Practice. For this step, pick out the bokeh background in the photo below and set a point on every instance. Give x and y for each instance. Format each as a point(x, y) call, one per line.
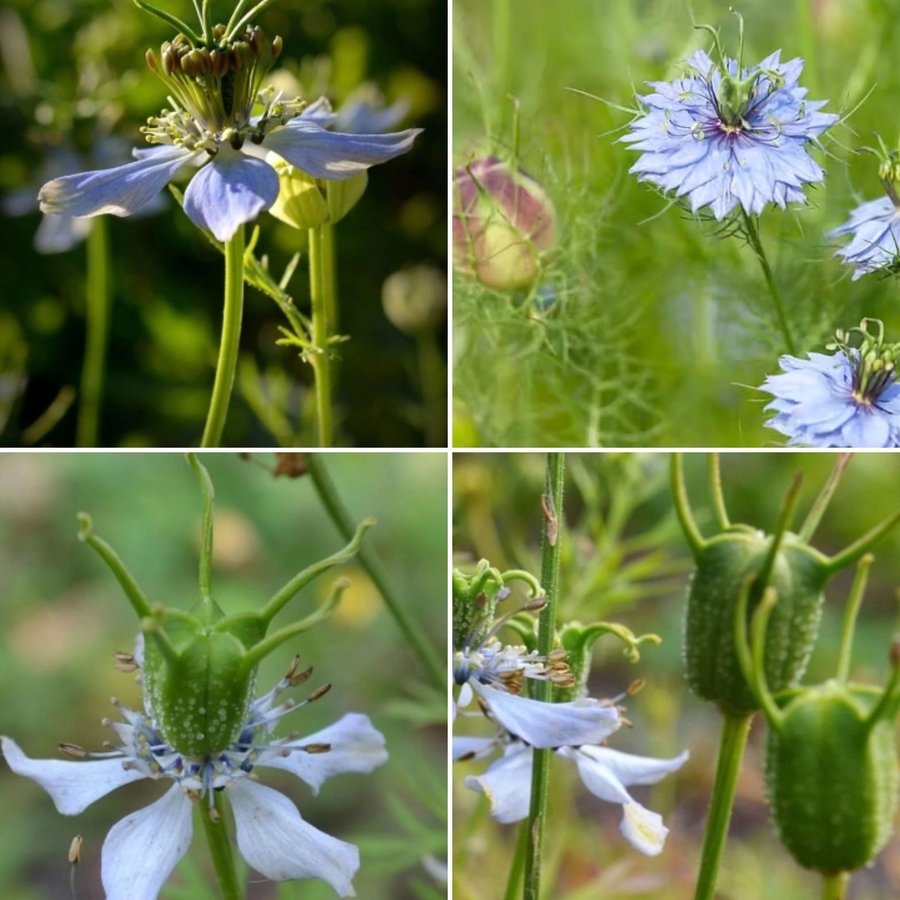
point(660, 331)
point(624, 560)
point(72, 73)
point(63, 617)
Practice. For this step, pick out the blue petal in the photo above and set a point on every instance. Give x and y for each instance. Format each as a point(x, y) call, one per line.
point(120, 191)
point(332, 155)
point(233, 189)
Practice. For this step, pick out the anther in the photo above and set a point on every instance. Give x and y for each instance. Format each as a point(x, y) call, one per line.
point(125, 662)
point(152, 63)
point(277, 45)
point(315, 748)
point(635, 686)
point(73, 750)
point(319, 692)
point(75, 849)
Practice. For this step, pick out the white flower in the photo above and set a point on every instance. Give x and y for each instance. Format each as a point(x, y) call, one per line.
point(141, 850)
point(495, 673)
point(606, 774)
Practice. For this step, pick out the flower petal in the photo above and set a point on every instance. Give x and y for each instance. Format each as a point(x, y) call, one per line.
point(550, 724)
point(643, 829)
point(507, 784)
point(332, 155)
point(472, 747)
point(120, 191)
point(276, 841)
point(228, 192)
point(142, 849)
point(73, 786)
point(628, 768)
point(356, 746)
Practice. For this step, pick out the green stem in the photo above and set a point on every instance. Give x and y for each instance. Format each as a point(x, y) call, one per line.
point(834, 886)
point(756, 244)
point(732, 741)
point(502, 25)
point(515, 870)
point(220, 849)
point(97, 302)
point(321, 352)
point(368, 558)
point(329, 277)
point(540, 772)
point(231, 337)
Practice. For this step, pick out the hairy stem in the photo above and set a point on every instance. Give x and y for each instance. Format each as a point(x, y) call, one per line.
point(97, 302)
point(732, 741)
point(231, 337)
point(552, 502)
point(756, 244)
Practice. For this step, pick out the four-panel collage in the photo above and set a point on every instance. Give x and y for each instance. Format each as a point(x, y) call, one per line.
point(448, 450)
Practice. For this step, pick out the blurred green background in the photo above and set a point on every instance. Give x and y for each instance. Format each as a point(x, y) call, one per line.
point(64, 67)
point(624, 560)
point(63, 617)
point(660, 330)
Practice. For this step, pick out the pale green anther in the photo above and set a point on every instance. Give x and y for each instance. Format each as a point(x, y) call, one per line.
point(200, 666)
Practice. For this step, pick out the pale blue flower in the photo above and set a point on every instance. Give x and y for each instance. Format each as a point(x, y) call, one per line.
point(141, 850)
point(606, 773)
point(722, 138)
point(875, 242)
point(494, 672)
point(850, 398)
point(216, 131)
point(364, 112)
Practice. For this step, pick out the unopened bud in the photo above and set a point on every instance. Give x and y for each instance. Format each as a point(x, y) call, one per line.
point(502, 223)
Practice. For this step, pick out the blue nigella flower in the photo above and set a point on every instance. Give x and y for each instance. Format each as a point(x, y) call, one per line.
point(211, 126)
point(726, 135)
point(850, 398)
point(875, 227)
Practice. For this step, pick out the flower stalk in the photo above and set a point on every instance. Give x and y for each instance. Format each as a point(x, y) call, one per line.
point(755, 242)
point(321, 291)
point(552, 502)
point(97, 298)
point(732, 741)
point(220, 848)
point(231, 336)
point(834, 886)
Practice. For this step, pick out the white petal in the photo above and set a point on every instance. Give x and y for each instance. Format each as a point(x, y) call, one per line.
point(643, 829)
point(141, 850)
point(550, 724)
point(472, 747)
point(465, 695)
point(507, 784)
point(276, 841)
point(356, 746)
point(606, 773)
point(73, 786)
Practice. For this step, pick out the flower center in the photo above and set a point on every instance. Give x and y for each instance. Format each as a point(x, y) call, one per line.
point(873, 363)
point(213, 90)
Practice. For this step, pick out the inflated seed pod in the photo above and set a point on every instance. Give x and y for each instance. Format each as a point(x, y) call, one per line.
point(832, 776)
point(799, 574)
point(786, 561)
point(831, 758)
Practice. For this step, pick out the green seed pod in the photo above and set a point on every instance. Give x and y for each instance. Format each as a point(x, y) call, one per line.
point(784, 560)
point(799, 574)
point(831, 759)
point(199, 667)
point(832, 776)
